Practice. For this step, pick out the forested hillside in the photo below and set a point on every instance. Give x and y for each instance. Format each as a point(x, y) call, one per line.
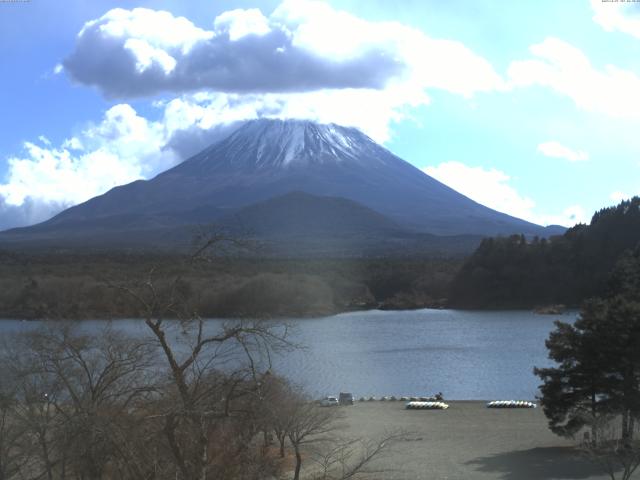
point(515, 272)
point(77, 286)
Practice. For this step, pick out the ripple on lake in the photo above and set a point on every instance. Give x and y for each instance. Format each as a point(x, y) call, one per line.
point(464, 354)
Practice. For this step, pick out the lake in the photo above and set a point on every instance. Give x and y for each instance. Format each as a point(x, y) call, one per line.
point(464, 354)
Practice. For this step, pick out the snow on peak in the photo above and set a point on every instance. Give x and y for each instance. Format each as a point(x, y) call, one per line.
point(287, 142)
point(267, 144)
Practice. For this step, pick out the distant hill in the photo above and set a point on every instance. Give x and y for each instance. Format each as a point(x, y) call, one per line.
point(514, 272)
point(266, 159)
point(303, 214)
point(301, 224)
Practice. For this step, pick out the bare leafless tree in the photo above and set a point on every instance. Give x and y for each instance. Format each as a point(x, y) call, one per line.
point(75, 395)
point(39, 419)
point(214, 373)
point(352, 458)
point(280, 399)
point(313, 431)
point(12, 436)
point(309, 423)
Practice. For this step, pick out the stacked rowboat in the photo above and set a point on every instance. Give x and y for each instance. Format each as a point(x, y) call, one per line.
point(426, 406)
point(511, 404)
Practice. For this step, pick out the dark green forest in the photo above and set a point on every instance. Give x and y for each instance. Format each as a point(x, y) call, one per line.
point(77, 286)
point(516, 272)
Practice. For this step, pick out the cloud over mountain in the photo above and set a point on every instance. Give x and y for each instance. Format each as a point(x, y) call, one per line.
point(136, 52)
point(302, 46)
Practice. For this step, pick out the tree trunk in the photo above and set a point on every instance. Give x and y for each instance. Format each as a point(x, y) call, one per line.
point(625, 426)
point(63, 466)
point(45, 454)
point(204, 444)
point(282, 440)
point(170, 432)
point(594, 427)
point(296, 474)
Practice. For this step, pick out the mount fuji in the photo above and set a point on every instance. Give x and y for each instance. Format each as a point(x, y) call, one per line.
point(291, 172)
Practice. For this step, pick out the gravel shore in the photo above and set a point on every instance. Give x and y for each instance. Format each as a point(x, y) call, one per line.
point(468, 441)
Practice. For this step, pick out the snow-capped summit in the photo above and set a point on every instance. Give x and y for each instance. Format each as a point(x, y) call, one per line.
point(269, 143)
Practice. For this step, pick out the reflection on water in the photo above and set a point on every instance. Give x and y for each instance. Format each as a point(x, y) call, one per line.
point(464, 354)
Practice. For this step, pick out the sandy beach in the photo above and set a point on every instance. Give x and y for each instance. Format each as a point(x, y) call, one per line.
point(469, 441)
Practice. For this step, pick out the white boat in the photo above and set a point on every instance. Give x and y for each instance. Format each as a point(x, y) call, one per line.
point(511, 404)
point(426, 406)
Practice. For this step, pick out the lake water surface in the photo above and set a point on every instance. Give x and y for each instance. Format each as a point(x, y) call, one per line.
point(464, 354)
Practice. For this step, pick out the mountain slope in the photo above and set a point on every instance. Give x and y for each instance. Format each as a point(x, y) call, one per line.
point(300, 224)
point(302, 214)
point(268, 158)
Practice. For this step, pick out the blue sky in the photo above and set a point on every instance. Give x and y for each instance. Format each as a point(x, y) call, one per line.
point(531, 108)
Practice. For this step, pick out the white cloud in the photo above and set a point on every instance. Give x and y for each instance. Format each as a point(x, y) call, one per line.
point(618, 16)
point(72, 143)
point(567, 70)
point(488, 187)
point(128, 53)
point(619, 196)
point(123, 147)
point(431, 63)
point(491, 187)
point(240, 23)
point(345, 107)
point(557, 150)
point(159, 28)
